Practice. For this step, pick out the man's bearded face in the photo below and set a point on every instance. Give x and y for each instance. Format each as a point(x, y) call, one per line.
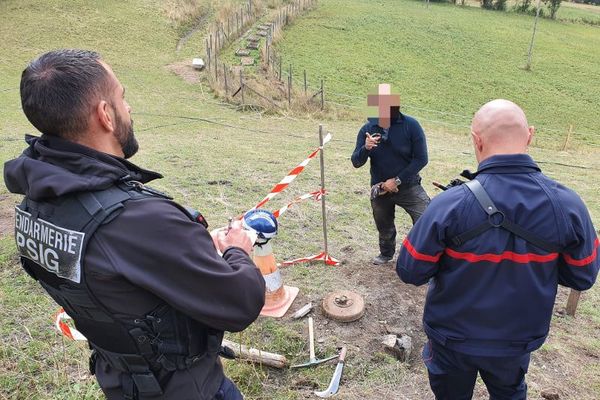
point(125, 136)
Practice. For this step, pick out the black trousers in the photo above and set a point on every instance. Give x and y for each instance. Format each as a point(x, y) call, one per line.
point(412, 199)
point(452, 375)
point(228, 391)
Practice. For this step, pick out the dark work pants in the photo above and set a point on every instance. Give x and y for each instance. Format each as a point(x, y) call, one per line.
point(452, 375)
point(412, 199)
point(228, 391)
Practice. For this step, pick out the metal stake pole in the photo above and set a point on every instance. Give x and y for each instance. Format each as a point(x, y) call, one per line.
point(323, 209)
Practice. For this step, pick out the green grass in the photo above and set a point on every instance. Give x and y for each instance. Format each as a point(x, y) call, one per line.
point(133, 36)
point(452, 59)
point(572, 12)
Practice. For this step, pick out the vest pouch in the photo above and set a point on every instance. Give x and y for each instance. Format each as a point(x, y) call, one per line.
point(139, 382)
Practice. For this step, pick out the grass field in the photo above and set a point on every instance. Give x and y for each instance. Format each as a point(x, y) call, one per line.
point(452, 59)
point(249, 152)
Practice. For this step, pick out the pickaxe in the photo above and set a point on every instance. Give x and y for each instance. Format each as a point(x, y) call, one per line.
point(313, 359)
point(334, 385)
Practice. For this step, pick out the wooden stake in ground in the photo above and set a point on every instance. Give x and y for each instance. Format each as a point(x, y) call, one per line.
point(242, 86)
point(569, 133)
point(280, 68)
point(207, 55)
point(323, 209)
point(572, 302)
point(305, 86)
point(322, 96)
point(216, 68)
point(290, 86)
point(537, 15)
point(225, 79)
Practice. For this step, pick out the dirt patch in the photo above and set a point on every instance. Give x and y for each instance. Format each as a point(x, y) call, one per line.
point(185, 71)
point(393, 307)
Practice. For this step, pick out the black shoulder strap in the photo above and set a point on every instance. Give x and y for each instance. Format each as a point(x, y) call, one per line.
point(491, 210)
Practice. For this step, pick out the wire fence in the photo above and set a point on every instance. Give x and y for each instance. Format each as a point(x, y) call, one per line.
point(289, 88)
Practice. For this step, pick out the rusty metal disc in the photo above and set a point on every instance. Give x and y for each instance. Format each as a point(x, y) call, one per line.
point(343, 305)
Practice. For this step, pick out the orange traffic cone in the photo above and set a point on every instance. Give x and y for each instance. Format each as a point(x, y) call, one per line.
point(278, 298)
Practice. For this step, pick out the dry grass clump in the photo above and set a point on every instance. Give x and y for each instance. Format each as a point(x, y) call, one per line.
point(181, 11)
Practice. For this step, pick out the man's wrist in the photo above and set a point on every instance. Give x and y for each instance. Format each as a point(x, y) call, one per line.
point(229, 248)
point(397, 181)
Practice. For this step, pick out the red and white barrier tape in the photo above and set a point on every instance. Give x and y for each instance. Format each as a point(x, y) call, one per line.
point(317, 257)
point(314, 195)
point(60, 323)
point(285, 182)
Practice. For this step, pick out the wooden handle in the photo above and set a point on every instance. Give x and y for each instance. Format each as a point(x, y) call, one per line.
point(256, 356)
point(343, 354)
point(572, 302)
point(311, 338)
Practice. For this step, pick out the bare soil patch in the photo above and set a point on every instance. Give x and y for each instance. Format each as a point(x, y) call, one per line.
point(397, 308)
point(185, 71)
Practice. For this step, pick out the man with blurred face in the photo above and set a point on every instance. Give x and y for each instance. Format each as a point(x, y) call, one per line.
point(493, 251)
point(139, 274)
point(396, 147)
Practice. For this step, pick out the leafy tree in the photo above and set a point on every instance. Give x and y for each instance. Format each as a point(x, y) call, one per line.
point(487, 4)
point(553, 6)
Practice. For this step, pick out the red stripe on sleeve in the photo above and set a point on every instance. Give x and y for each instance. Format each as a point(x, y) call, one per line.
point(420, 256)
point(584, 261)
point(507, 255)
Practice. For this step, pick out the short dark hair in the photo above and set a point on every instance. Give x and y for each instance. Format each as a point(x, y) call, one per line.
point(60, 88)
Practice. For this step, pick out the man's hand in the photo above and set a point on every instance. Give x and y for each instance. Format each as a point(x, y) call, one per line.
point(390, 185)
point(371, 141)
point(236, 237)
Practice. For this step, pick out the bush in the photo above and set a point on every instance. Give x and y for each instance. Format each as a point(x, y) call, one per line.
point(522, 7)
point(553, 6)
point(500, 5)
point(487, 4)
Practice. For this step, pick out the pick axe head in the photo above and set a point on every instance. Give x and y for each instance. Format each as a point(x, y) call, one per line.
point(313, 359)
point(334, 385)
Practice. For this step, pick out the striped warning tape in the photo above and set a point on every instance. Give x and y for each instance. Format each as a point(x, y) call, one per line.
point(326, 258)
point(289, 178)
point(60, 322)
point(314, 195)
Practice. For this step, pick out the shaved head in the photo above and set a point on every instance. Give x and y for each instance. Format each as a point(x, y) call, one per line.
point(500, 127)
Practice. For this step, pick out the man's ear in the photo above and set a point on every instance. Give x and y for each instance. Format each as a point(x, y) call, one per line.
point(104, 113)
point(477, 142)
point(531, 134)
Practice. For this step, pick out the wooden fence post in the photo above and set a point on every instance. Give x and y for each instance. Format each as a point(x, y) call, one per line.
point(569, 133)
point(305, 86)
point(225, 79)
point(289, 90)
point(267, 52)
point(207, 55)
point(242, 87)
point(216, 69)
point(322, 96)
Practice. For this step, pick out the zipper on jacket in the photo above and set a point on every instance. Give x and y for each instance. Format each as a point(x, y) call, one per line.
point(140, 187)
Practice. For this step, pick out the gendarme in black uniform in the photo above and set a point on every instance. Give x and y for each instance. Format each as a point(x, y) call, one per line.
point(140, 277)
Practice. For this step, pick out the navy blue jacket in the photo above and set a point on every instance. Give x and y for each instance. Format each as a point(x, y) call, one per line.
point(401, 152)
point(493, 295)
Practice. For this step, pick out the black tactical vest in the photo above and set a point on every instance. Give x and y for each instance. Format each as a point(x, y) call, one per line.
point(51, 239)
